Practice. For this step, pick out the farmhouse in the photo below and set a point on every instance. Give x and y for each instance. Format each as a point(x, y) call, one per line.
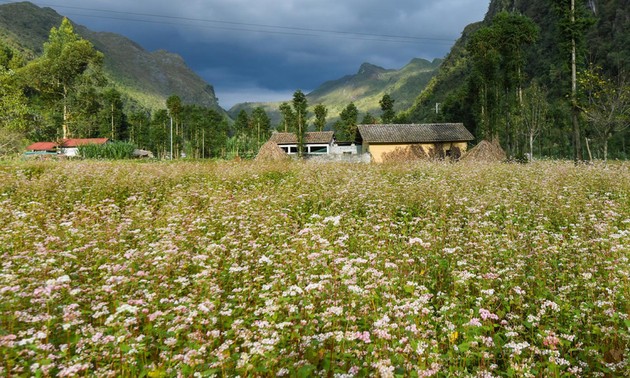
point(315, 143)
point(441, 139)
point(70, 147)
point(67, 147)
point(41, 149)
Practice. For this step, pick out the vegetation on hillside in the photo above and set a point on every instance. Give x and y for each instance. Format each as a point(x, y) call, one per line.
point(365, 90)
point(64, 92)
point(598, 33)
point(145, 79)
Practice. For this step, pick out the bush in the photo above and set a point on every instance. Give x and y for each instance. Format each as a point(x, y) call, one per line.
point(109, 151)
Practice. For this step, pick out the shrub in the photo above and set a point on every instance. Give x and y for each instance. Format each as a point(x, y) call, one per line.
point(108, 151)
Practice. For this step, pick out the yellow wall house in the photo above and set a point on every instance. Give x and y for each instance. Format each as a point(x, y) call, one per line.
point(414, 141)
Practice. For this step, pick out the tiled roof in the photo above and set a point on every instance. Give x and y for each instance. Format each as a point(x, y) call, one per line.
point(80, 142)
point(42, 146)
point(415, 133)
point(314, 137)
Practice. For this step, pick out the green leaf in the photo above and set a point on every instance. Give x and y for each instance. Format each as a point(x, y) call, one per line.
point(463, 347)
point(305, 371)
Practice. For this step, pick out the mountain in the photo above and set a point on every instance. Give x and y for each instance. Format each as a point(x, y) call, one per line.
point(147, 77)
point(606, 44)
point(365, 89)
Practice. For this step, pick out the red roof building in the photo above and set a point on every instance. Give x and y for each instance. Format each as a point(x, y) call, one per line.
point(42, 146)
point(71, 143)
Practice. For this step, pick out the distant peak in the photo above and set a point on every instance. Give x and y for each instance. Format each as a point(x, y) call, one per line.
point(370, 69)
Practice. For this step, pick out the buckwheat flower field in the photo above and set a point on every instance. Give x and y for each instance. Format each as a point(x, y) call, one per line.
point(332, 270)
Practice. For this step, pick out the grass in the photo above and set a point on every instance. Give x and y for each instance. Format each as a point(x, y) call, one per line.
point(291, 269)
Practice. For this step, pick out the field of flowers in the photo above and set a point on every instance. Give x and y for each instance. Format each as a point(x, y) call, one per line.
point(293, 269)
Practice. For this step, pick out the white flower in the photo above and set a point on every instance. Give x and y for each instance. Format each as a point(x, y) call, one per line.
point(335, 220)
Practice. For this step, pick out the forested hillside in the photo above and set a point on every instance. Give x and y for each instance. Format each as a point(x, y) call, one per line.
point(510, 78)
point(148, 78)
point(59, 80)
point(365, 89)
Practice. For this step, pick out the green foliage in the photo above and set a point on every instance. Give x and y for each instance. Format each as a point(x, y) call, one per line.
point(288, 117)
point(365, 89)
point(533, 114)
point(458, 86)
point(387, 108)
point(368, 119)
point(300, 106)
point(68, 63)
point(12, 143)
point(321, 112)
point(346, 127)
point(242, 123)
point(497, 54)
point(606, 104)
point(260, 126)
point(107, 151)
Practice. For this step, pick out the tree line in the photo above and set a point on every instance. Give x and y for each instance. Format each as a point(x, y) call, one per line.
point(65, 94)
point(537, 87)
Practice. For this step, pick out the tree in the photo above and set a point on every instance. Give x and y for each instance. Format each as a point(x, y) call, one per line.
point(498, 54)
point(606, 104)
point(67, 62)
point(346, 127)
point(574, 23)
point(300, 105)
point(13, 104)
point(159, 134)
point(534, 111)
point(174, 106)
point(139, 122)
point(115, 125)
point(242, 122)
point(321, 112)
point(387, 106)
point(288, 117)
point(368, 119)
point(262, 124)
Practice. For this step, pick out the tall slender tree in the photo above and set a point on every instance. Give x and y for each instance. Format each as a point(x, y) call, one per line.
point(174, 106)
point(606, 104)
point(534, 112)
point(574, 23)
point(321, 112)
point(387, 107)
point(346, 127)
point(67, 61)
point(300, 104)
point(288, 117)
point(497, 52)
point(261, 123)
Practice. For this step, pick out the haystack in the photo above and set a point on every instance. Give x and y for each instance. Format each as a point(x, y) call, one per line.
point(270, 151)
point(485, 151)
point(413, 152)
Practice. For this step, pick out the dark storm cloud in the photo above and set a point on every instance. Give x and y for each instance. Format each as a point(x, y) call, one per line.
point(260, 50)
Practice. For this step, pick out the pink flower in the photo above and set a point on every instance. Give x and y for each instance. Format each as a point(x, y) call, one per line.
point(485, 314)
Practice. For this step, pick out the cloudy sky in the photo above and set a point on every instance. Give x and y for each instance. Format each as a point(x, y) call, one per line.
point(263, 50)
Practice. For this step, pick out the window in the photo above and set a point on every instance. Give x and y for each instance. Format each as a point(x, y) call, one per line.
point(318, 150)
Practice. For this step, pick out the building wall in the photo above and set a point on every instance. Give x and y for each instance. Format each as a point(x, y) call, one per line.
point(70, 151)
point(352, 149)
point(378, 150)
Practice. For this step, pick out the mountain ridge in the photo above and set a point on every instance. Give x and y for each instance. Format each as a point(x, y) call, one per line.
point(148, 77)
point(365, 89)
